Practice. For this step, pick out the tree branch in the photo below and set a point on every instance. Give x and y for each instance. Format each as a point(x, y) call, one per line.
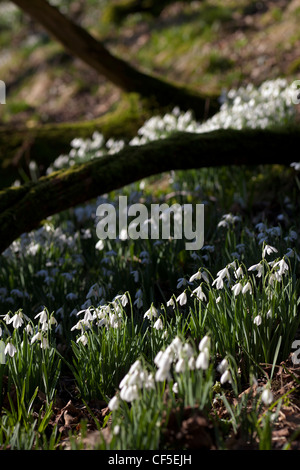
point(84, 46)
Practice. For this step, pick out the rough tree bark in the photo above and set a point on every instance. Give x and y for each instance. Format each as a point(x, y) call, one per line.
point(84, 46)
point(23, 208)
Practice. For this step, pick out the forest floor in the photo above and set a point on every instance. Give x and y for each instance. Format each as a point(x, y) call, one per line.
point(209, 46)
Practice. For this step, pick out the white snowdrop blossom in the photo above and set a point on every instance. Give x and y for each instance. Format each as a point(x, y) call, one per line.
point(226, 377)
point(223, 366)
point(82, 339)
point(239, 272)
point(204, 343)
point(237, 288)
point(219, 283)
point(43, 317)
point(195, 276)
point(10, 349)
point(223, 273)
point(257, 320)
point(199, 293)
point(268, 250)
point(151, 313)
point(180, 365)
point(267, 396)
point(17, 320)
point(171, 303)
point(247, 288)
point(99, 245)
point(114, 403)
point(257, 267)
point(202, 361)
point(158, 325)
point(296, 165)
point(182, 298)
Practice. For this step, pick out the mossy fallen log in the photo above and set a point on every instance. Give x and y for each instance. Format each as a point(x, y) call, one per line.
point(44, 143)
point(23, 208)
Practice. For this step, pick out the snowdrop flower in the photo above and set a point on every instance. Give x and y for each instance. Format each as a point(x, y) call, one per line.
point(226, 377)
point(296, 165)
point(162, 374)
point(99, 245)
point(116, 430)
point(257, 267)
point(53, 321)
point(223, 273)
point(44, 343)
point(175, 387)
point(237, 288)
point(171, 303)
point(124, 300)
point(257, 320)
point(181, 282)
point(267, 396)
point(283, 267)
point(197, 275)
point(239, 272)
point(82, 339)
point(199, 293)
point(247, 288)
point(219, 283)
point(218, 299)
point(202, 361)
point(43, 317)
point(163, 360)
point(10, 349)
point(158, 325)
point(37, 337)
point(268, 250)
point(204, 343)
point(151, 313)
point(180, 366)
point(191, 363)
point(182, 298)
point(17, 320)
point(223, 366)
point(129, 393)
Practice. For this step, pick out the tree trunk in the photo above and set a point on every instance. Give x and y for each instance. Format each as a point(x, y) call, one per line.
point(84, 46)
point(24, 207)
